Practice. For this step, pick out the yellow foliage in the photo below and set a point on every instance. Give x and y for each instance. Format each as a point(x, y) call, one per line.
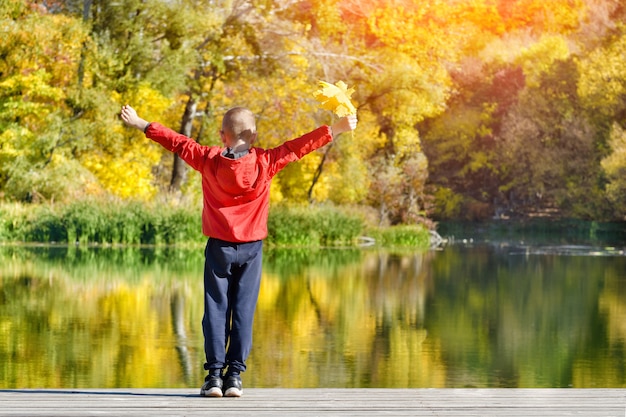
point(125, 169)
point(150, 103)
point(414, 30)
point(276, 195)
point(345, 181)
point(32, 97)
point(601, 85)
point(506, 49)
point(296, 179)
point(127, 176)
point(406, 141)
point(539, 58)
point(10, 137)
point(328, 19)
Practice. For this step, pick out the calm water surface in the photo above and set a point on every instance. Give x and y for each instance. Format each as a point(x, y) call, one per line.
point(465, 316)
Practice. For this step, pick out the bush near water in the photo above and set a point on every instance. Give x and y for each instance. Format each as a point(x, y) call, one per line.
point(136, 223)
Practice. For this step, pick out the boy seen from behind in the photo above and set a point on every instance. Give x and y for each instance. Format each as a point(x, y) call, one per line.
point(236, 181)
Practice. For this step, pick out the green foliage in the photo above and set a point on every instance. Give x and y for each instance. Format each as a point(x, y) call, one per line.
point(602, 85)
point(312, 226)
point(117, 222)
point(550, 151)
point(448, 204)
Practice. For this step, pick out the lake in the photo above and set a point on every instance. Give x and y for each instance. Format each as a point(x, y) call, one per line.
point(466, 315)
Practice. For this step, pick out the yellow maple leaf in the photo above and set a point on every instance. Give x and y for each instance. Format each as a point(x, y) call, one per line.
point(336, 98)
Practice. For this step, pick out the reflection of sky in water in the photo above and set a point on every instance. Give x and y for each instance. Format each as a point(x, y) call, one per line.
point(464, 316)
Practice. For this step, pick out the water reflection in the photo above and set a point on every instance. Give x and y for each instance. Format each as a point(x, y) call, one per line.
point(485, 316)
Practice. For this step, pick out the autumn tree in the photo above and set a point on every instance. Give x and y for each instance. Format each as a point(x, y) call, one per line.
point(482, 147)
point(38, 141)
point(400, 79)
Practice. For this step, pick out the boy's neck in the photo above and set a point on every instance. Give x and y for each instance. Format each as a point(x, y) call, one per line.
point(230, 153)
point(240, 146)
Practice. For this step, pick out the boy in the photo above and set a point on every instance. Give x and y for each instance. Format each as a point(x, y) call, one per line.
point(236, 186)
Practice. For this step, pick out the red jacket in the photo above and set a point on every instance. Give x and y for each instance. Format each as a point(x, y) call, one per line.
point(236, 191)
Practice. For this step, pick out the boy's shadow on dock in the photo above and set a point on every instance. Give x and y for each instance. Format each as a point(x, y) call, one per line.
point(98, 392)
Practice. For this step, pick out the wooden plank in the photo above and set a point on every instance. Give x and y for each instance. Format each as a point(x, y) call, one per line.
point(316, 402)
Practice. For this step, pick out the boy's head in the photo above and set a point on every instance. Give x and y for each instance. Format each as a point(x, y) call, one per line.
point(238, 125)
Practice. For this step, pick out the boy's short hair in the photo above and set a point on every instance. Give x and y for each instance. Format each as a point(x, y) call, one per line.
point(239, 122)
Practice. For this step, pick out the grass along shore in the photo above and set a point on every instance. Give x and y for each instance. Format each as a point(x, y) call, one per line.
point(136, 223)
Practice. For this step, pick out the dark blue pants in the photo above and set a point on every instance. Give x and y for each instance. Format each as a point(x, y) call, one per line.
point(232, 276)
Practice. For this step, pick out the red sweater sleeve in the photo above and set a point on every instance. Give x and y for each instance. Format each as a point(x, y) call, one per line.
point(295, 149)
point(188, 149)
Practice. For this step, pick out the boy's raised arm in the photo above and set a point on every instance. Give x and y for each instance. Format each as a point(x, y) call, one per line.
point(130, 117)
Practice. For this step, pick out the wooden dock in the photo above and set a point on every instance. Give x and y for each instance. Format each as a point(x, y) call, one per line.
point(316, 402)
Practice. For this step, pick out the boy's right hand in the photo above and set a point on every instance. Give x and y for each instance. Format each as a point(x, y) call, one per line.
point(345, 124)
point(130, 117)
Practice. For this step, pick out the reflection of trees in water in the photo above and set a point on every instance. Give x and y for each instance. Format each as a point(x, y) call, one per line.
point(94, 318)
point(476, 316)
point(399, 286)
point(177, 304)
point(520, 321)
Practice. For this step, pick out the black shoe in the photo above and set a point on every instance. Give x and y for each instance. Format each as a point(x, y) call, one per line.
point(233, 386)
point(212, 386)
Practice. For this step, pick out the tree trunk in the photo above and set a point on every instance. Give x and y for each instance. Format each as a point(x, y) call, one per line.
point(179, 169)
point(318, 172)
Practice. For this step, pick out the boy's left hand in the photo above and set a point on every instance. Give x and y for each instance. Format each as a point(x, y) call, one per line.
point(130, 117)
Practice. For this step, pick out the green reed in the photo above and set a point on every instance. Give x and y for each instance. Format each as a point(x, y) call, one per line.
point(138, 223)
point(312, 226)
point(101, 222)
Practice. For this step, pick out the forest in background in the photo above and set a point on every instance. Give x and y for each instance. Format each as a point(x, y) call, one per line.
point(467, 109)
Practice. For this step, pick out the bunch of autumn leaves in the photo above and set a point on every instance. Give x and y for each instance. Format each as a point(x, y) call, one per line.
point(336, 98)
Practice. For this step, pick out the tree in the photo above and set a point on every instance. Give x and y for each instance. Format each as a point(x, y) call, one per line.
point(403, 80)
point(552, 152)
point(37, 145)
